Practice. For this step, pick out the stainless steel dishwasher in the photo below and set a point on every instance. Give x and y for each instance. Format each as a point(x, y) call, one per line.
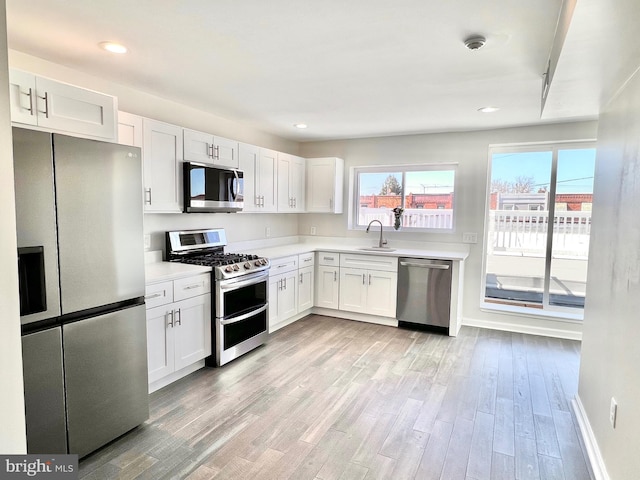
point(424, 293)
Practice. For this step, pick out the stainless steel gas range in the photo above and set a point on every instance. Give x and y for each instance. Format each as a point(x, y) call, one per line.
point(240, 294)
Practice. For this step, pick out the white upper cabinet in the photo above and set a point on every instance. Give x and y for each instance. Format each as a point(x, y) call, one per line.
point(259, 166)
point(325, 185)
point(291, 183)
point(59, 107)
point(206, 148)
point(129, 129)
point(162, 163)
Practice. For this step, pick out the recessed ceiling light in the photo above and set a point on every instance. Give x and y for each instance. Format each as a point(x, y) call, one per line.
point(488, 109)
point(300, 125)
point(113, 47)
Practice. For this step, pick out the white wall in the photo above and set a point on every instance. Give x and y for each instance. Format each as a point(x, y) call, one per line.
point(12, 430)
point(611, 339)
point(470, 151)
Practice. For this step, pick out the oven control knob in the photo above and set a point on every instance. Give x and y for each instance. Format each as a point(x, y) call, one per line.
point(236, 268)
point(229, 269)
point(257, 263)
point(263, 261)
point(247, 265)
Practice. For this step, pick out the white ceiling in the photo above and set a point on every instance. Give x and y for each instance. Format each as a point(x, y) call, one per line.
point(347, 69)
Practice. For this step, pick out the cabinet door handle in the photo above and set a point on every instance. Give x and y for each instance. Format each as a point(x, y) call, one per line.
point(191, 287)
point(178, 317)
point(284, 281)
point(46, 104)
point(363, 278)
point(217, 152)
point(335, 276)
point(210, 150)
point(147, 196)
point(330, 259)
point(154, 295)
point(30, 95)
point(369, 279)
point(170, 322)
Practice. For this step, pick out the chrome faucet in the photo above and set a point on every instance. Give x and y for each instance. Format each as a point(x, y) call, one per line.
point(382, 241)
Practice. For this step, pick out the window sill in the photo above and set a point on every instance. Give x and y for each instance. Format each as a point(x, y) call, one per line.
point(556, 315)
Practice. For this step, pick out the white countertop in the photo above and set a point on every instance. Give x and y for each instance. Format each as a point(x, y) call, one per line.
point(165, 271)
point(303, 247)
point(159, 271)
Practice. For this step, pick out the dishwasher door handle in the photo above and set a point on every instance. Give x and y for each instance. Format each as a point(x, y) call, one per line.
point(423, 265)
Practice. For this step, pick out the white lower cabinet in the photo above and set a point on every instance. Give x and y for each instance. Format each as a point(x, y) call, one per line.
point(327, 281)
point(368, 284)
point(291, 289)
point(178, 327)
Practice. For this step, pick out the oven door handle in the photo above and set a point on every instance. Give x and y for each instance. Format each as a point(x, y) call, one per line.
point(244, 283)
point(243, 317)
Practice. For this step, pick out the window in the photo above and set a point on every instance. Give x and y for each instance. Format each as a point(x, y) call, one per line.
point(424, 192)
point(537, 257)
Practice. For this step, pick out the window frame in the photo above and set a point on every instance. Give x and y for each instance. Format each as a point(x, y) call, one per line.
point(354, 193)
point(545, 309)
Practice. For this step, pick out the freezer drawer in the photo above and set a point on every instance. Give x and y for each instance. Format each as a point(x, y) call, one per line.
point(424, 292)
point(106, 375)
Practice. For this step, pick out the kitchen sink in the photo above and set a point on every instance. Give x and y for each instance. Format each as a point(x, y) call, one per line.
point(377, 249)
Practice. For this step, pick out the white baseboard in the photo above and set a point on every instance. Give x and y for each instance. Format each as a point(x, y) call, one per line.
point(172, 377)
point(598, 467)
point(360, 317)
point(523, 328)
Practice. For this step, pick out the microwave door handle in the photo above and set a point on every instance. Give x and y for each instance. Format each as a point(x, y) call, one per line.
point(234, 185)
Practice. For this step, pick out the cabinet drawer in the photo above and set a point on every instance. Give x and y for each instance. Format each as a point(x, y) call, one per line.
point(305, 260)
point(283, 264)
point(191, 286)
point(371, 262)
point(331, 259)
point(157, 294)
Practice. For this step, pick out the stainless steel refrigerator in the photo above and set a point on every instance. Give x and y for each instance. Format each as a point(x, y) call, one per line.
point(81, 264)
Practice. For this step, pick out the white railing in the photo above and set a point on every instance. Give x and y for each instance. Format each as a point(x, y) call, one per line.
point(522, 232)
point(411, 217)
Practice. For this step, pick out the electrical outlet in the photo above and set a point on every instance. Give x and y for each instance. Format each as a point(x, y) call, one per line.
point(313, 230)
point(613, 412)
point(147, 242)
point(469, 237)
point(267, 232)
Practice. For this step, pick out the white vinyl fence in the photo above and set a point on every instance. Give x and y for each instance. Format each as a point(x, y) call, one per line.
point(521, 232)
point(411, 217)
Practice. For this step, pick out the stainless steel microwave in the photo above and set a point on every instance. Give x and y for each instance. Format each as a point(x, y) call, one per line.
point(208, 188)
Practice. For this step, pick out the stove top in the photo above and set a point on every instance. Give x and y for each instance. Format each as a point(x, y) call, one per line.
point(206, 248)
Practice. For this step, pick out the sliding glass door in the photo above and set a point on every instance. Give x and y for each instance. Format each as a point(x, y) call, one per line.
point(538, 226)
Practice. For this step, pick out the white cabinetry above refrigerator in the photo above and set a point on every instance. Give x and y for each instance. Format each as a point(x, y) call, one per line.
point(59, 107)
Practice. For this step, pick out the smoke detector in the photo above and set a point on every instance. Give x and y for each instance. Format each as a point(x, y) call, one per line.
point(475, 42)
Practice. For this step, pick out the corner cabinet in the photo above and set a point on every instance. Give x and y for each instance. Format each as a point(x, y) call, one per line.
point(162, 166)
point(60, 107)
point(291, 183)
point(325, 177)
point(129, 129)
point(260, 166)
point(206, 148)
point(368, 284)
point(178, 327)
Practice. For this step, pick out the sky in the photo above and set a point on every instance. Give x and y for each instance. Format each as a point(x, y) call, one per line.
point(575, 169)
point(435, 181)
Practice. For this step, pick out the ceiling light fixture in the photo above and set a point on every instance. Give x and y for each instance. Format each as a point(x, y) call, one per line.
point(488, 109)
point(475, 42)
point(113, 47)
point(300, 125)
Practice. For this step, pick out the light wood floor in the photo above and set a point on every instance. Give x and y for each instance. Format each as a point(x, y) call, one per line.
point(335, 399)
